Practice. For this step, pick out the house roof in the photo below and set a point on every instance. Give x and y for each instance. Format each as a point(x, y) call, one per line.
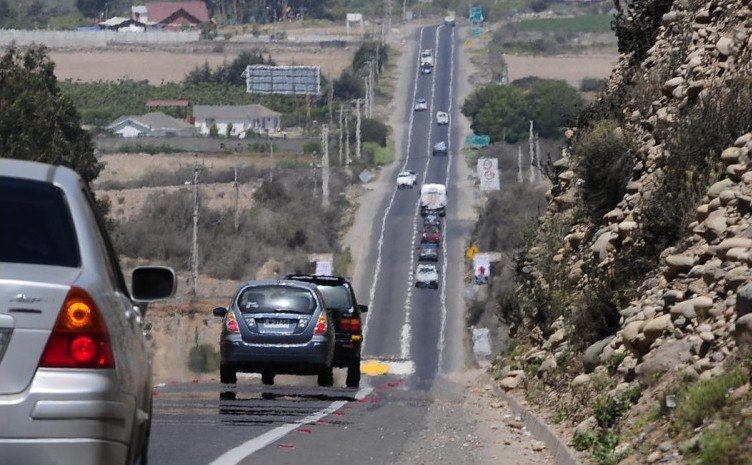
point(160, 11)
point(167, 103)
point(153, 120)
point(233, 112)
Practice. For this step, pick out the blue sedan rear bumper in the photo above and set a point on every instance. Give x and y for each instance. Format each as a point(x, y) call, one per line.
point(298, 359)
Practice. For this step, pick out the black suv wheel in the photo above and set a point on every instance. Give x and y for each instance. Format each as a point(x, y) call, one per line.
point(267, 378)
point(353, 374)
point(227, 375)
point(326, 377)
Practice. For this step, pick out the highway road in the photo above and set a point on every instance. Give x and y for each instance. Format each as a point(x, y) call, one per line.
point(202, 423)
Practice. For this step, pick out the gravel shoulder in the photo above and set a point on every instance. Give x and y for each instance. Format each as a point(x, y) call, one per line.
point(468, 424)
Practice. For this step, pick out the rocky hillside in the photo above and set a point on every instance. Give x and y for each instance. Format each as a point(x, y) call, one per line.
point(635, 301)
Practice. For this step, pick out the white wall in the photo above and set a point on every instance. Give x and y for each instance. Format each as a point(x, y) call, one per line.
point(92, 38)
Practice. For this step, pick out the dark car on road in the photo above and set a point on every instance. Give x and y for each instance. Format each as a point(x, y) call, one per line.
point(75, 374)
point(428, 252)
point(345, 311)
point(276, 327)
point(430, 234)
point(432, 219)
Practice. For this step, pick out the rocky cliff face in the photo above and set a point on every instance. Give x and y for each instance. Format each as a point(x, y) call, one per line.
point(638, 292)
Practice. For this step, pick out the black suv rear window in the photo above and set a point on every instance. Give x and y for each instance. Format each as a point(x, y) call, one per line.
point(36, 225)
point(276, 299)
point(337, 298)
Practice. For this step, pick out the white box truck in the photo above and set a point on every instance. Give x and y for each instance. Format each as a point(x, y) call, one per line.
point(433, 199)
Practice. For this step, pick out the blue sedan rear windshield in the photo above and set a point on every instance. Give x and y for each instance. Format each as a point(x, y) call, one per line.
point(276, 299)
point(36, 225)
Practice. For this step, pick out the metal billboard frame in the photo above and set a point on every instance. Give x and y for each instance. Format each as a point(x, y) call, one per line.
point(286, 80)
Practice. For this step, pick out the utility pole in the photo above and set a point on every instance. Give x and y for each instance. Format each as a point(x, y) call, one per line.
point(531, 152)
point(325, 166)
point(389, 18)
point(357, 129)
point(368, 90)
point(519, 164)
point(271, 155)
point(236, 223)
point(404, 11)
point(194, 241)
point(347, 140)
point(538, 157)
point(330, 97)
point(341, 133)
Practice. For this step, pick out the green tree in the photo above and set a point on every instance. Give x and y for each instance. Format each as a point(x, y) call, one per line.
point(553, 105)
point(502, 114)
point(348, 86)
point(37, 122)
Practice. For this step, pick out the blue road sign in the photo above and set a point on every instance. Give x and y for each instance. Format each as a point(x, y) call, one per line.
point(475, 14)
point(478, 141)
point(477, 32)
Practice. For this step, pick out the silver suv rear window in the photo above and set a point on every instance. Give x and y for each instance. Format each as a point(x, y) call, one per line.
point(36, 225)
point(276, 299)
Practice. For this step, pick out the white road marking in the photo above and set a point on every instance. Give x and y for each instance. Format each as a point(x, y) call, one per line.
point(377, 271)
point(442, 331)
point(406, 337)
point(248, 448)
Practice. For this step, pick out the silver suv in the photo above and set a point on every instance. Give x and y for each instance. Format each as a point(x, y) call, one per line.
point(75, 374)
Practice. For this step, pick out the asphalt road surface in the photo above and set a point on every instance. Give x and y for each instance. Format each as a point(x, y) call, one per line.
point(415, 329)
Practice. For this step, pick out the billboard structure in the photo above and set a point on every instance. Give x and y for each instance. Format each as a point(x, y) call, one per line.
point(286, 80)
point(488, 173)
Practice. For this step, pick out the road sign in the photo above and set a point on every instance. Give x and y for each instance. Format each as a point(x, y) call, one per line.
point(471, 252)
point(478, 141)
point(475, 15)
point(468, 43)
point(295, 80)
point(477, 32)
point(488, 172)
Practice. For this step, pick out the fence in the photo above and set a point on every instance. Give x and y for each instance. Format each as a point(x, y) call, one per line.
point(77, 39)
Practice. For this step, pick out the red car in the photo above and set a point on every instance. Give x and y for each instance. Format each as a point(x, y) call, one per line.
point(430, 234)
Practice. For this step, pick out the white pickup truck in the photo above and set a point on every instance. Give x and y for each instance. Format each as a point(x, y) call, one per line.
point(406, 179)
point(433, 198)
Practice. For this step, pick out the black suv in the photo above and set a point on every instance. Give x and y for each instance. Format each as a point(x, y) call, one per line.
point(345, 312)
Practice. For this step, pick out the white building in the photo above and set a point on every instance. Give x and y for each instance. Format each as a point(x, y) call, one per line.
point(155, 124)
point(236, 120)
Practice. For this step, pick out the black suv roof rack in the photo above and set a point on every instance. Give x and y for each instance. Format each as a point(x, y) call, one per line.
point(318, 278)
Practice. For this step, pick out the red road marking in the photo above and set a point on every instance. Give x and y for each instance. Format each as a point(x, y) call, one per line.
point(285, 446)
point(322, 422)
point(305, 431)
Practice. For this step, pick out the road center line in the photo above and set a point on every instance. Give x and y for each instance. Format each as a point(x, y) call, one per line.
point(442, 331)
point(406, 336)
point(377, 271)
point(248, 448)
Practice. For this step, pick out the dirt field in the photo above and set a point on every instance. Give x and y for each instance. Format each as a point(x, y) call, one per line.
point(157, 66)
point(571, 68)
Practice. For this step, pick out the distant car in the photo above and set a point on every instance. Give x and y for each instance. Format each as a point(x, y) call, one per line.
point(75, 377)
point(426, 69)
point(449, 20)
point(276, 327)
point(406, 179)
point(428, 252)
point(345, 311)
point(440, 148)
point(442, 117)
point(430, 234)
point(427, 276)
point(432, 219)
point(420, 105)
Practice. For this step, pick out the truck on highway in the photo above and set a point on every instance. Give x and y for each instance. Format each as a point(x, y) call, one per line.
point(433, 198)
